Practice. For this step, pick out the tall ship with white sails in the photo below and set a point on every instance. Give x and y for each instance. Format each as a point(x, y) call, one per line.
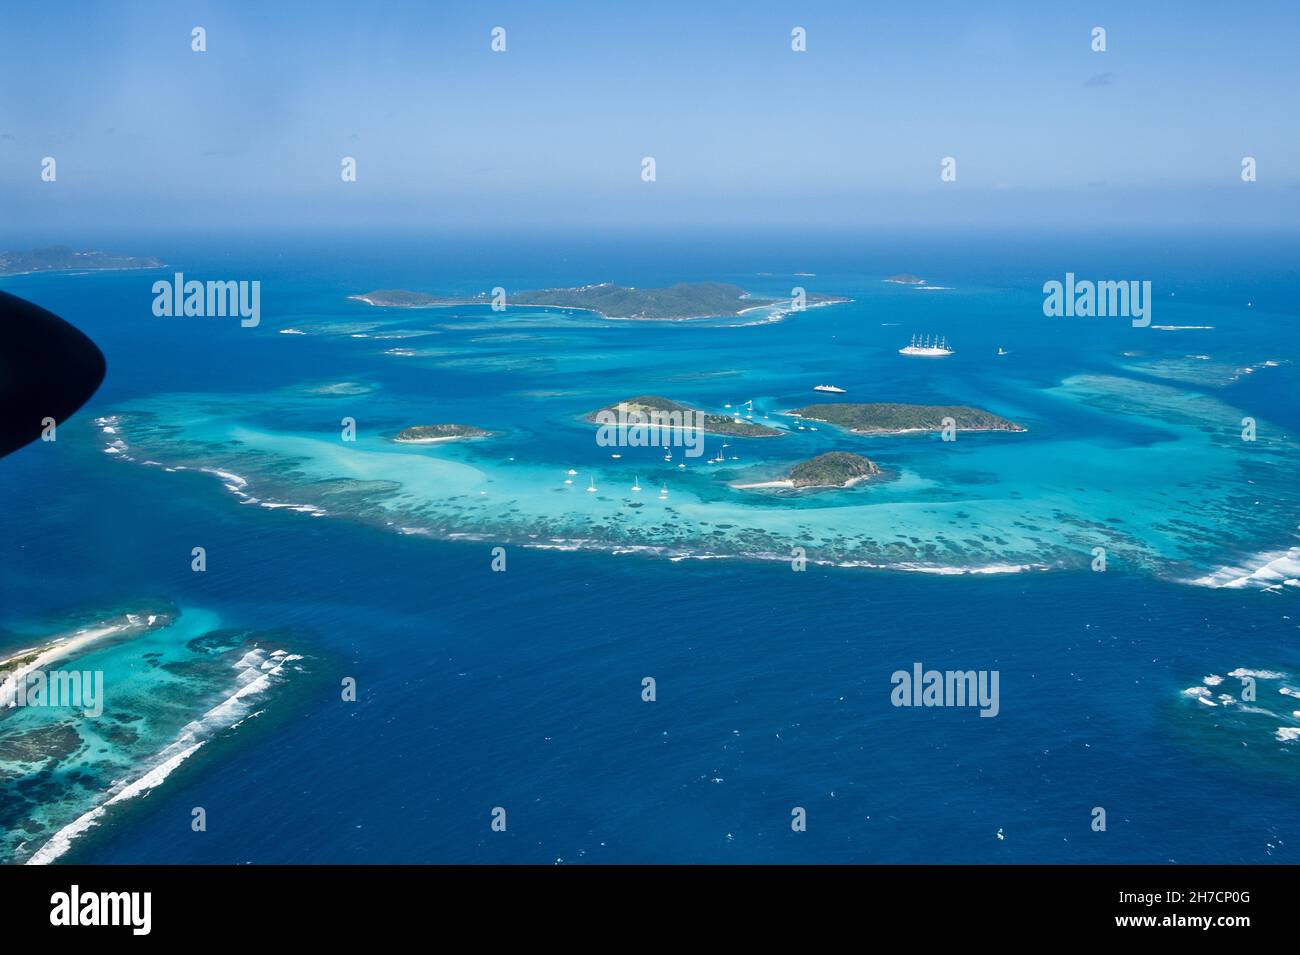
point(927, 346)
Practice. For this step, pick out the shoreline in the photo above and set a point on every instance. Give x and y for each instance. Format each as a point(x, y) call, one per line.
point(787, 483)
point(776, 303)
point(57, 648)
point(589, 419)
point(782, 303)
point(82, 270)
point(886, 432)
point(449, 437)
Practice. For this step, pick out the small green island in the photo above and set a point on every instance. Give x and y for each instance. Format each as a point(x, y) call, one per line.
point(655, 409)
point(680, 302)
point(903, 418)
point(438, 433)
point(61, 258)
point(834, 469)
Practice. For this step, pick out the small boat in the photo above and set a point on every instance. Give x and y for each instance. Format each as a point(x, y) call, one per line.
point(572, 473)
point(616, 455)
point(668, 456)
point(592, 486)
point(1002, 351)
point(663, 491)
point(636, 484)
point(830, 389)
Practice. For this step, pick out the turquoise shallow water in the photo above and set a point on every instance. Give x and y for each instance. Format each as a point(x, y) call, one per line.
point(168, 680)
point(1112, 458)
point(372, 560)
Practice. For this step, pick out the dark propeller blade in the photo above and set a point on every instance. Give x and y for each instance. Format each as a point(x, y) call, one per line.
point(48, 369)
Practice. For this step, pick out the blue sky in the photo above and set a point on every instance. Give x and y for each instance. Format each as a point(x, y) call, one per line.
point(1046, 132)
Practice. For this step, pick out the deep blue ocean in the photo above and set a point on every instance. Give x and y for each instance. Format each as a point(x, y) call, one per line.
point(523, 689)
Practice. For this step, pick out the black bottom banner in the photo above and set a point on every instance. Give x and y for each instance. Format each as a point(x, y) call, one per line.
point(338, 903)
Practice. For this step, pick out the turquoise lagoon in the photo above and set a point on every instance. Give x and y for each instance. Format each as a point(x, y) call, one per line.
point(1156, 475)
point(372, 559)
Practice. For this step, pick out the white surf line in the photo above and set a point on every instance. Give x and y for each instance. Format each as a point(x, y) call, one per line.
point(61, 841)
point(1265, 569)
point(185, 746)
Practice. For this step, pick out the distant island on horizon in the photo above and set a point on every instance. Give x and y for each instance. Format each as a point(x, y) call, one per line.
point(680, 302)
point(62, 258)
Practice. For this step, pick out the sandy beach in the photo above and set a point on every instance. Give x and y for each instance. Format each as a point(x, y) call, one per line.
point(57, 649)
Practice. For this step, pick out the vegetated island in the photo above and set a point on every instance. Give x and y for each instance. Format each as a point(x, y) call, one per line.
point(834, 469)
point(653, 409)
point(680, 302)
point(437, 433)
point(61, 258)
point(905, 278)
point(903, 419)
